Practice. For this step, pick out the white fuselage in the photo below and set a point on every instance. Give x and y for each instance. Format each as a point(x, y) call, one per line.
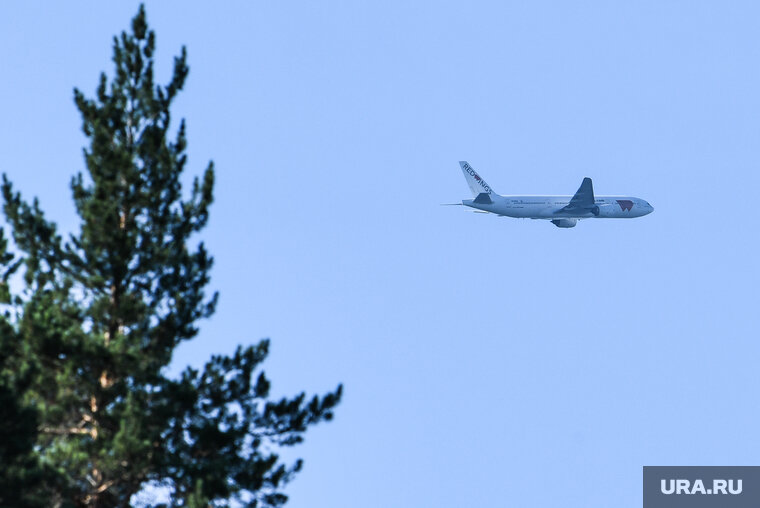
point(550, 207)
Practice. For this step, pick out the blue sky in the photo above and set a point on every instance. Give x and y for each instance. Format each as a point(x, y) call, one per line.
point(486, 361)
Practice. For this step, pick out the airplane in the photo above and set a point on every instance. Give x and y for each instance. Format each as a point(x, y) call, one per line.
point(562, 211)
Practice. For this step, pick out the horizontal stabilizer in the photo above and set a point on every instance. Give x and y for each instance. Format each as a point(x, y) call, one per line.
point(482, 199)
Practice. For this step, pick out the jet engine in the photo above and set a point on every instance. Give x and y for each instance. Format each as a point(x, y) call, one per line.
point(565, 223)
point(606, 210)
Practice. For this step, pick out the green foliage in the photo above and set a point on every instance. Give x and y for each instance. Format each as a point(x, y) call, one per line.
point(88, 339)
point(22, 472)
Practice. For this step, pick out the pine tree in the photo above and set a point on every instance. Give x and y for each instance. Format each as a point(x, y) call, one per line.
point(103, 310)
point(21, 472)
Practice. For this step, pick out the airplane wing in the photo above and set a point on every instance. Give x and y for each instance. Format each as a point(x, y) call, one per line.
point(583, 200)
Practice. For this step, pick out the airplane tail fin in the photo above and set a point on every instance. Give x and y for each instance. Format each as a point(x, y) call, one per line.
point(476, 183)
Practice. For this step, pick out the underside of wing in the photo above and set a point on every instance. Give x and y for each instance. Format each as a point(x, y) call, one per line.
point(582, 201)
